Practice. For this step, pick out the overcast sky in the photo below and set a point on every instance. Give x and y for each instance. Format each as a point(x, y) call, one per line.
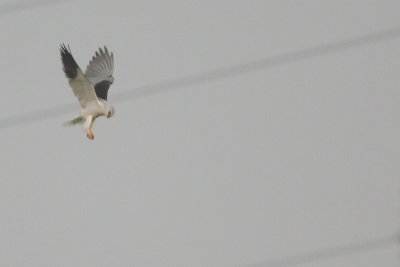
point(246, 133)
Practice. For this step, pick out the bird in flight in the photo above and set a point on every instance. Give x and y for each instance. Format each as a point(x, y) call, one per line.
point(91, 87)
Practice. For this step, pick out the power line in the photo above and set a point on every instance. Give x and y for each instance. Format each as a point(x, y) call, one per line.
point(13, 7)
point(264, 63)
point(216, 74)
point(331, 253)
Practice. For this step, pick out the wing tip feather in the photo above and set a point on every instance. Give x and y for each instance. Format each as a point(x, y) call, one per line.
point(70, 67)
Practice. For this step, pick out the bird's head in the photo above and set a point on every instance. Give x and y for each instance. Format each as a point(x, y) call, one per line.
point(110, 112)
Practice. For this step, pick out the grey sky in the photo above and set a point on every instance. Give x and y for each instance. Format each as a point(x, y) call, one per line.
point(245, 170)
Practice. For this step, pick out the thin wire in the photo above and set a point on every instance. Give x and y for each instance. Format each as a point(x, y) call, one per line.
point(214, 75)
point(331, 253)
point(14, 7)
point(264, 63)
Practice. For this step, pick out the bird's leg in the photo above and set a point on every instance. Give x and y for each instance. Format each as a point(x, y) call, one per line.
point(87, 127)
point(90, 135)
point(91, 129)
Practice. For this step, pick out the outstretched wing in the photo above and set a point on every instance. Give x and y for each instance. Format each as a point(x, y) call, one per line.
point(79, 83)
point(100, 72)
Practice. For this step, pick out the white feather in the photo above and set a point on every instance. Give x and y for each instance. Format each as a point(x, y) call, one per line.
point(83, 90)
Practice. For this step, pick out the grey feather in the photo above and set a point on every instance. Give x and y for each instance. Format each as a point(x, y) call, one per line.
point(74, 121)
point(81, 87)
point(101, 67)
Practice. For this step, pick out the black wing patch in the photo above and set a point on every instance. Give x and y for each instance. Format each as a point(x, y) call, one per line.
point(101, 89)
point(70, 66)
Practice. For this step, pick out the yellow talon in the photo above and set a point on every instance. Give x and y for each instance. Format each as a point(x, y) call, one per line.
point(90, 135)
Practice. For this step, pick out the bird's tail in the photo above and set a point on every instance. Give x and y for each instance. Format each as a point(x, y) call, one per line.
point(76, 120)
